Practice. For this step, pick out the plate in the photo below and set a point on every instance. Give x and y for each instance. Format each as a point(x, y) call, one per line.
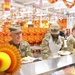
point(64, 52)
point(27, 59)
point(25, 62)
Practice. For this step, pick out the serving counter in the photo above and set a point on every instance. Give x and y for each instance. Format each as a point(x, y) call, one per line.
point(46, 67)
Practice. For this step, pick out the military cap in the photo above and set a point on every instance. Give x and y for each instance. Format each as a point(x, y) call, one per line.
point(54, 28)
point(15, 28)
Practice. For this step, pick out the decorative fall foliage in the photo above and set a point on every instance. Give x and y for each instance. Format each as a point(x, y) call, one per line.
point(31, 35)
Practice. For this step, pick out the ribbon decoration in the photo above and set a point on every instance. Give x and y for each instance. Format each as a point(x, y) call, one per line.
point(6, 5)
point(38, 5)
point(69, 6)
point(52, 1)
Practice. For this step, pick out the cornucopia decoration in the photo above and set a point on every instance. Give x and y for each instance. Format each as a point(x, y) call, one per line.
point(10, 59)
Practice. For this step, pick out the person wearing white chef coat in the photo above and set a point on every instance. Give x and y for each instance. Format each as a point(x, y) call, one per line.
point(52, 42)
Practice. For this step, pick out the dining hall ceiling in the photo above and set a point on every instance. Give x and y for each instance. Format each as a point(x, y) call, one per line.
point(42, 6)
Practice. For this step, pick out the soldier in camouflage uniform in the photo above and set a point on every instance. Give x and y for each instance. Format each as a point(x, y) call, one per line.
point(52, 42)
point(22, 46)
point(71, 41)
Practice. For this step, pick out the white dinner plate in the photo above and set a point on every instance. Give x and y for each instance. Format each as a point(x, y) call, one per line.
point(27, 59)
point(64, 52)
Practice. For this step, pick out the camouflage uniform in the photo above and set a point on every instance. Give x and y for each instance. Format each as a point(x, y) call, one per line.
point(45, 49)
point(71, 43)
point(23, 46)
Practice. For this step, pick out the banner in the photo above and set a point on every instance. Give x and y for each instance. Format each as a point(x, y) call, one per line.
point(7, 5)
